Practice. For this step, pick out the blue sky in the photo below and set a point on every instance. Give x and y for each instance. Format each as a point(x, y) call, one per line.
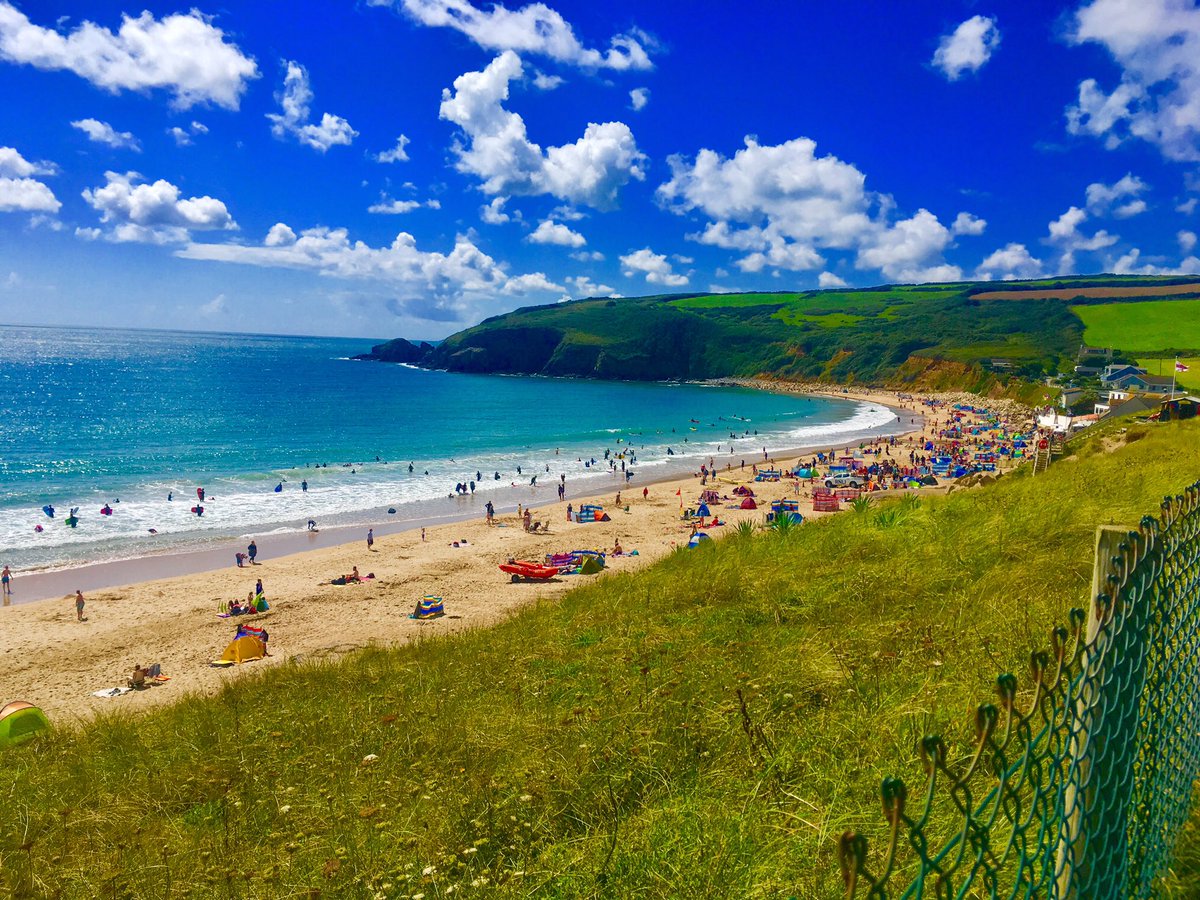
point(409, 167)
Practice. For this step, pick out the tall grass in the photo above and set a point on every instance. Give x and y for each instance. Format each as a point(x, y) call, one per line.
point(704, 728)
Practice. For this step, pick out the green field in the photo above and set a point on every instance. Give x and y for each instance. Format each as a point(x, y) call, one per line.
point(1134, 327)
point(1189, 379)
point(596, 746)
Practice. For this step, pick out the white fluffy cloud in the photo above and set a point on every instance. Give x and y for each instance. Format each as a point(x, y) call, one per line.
point(103, 133)
point(21, 193)
point(450, 280)
point(1187, 241)
point(967, 224)
point(1009, 262)
point(781, 204)
point(829, 280)
point(493, 213)
point(586, 256)
point(544, 82)
point(638, 98)
point(535, 28)
point(655, 266)
point(1065, 234)
point(968, 47)
point(388, 206)
point(498, 150)
point(585, 287)
point(396, 154)
point(1156, 43)
point(153, 213)
point(13, 163)
point(1119, 200)
point(551, 232)
point(295, 100)
point(184, 54)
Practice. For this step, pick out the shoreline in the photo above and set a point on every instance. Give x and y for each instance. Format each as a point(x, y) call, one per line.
point(58, 582)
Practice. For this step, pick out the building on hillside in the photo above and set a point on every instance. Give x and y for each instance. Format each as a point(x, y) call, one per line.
point(1091, 353)
point(1111, 399)
point(1113, 374)
point(1070, 396)
point(1148, 384)
point(999, 364)
point(1134, 406)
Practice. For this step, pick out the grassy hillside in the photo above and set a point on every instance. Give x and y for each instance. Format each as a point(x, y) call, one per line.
point(891, 334)
point(597, 746)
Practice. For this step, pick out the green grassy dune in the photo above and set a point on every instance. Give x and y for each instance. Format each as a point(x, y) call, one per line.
point(597, 746)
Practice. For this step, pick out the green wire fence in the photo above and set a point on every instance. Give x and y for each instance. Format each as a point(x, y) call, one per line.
point(1083, 794)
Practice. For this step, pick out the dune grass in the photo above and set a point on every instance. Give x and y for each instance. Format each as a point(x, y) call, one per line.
point(704, 728)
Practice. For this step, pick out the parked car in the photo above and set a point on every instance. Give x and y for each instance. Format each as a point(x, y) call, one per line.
point(843, 479)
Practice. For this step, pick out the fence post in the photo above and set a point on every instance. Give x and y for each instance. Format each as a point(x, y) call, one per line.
point(1073, 863)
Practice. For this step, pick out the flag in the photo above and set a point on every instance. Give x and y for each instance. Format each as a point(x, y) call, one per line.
point(679, 493)
point(1180, 367)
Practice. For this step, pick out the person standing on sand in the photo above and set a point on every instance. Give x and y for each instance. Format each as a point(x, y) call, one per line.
point(79, 606)
point(252, 551)
point(491, 512)
point(6, 584)
point(370, 539)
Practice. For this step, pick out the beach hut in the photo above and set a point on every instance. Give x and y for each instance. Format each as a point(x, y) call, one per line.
point(20, 721)
point(748, 503)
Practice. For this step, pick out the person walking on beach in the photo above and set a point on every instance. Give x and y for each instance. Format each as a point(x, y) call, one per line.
point(252, 551)
point(370, 539)
point(491, 511)
point(6, 584)
point(79, 606)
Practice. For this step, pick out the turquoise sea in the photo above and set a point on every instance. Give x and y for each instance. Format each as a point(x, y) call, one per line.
point(90, 417)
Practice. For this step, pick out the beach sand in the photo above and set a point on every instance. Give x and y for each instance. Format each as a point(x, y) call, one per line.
point(55, 662)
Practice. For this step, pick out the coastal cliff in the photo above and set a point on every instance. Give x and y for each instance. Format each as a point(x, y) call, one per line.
point(971, 335)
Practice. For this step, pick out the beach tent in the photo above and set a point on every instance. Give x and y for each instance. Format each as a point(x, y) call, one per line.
point(696, 539)
point(19, 721)
point(429, 607)
point(749, 503)
point(590, 565)
point(743, 491)
point(243, 648)
point(702, 510)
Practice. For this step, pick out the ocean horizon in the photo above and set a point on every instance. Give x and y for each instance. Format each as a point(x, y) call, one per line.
point(279, 430)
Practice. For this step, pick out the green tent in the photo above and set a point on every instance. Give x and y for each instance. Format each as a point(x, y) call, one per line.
point(590, 565)
point(19, 721)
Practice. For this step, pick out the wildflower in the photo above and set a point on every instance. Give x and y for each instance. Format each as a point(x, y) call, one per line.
point(525, 798)
point(369, 758)
point(285, 809)
point(429, 870)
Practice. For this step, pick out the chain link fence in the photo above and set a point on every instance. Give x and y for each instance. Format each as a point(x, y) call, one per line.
point(1083, 794)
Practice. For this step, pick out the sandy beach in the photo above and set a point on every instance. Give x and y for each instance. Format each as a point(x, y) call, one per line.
point(56, 662)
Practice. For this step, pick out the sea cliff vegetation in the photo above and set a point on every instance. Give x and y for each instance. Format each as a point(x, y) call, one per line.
point(972, 335)
point(704, 728)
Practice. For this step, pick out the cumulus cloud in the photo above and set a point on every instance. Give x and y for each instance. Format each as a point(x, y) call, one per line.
point(586, 255)
point(535, 28)
point(295, 100)
point(1119, 200)
point(396, 154)
point(544, 82)
point(19, 192)
point(493, 213)
point(498, 150)
point(103, 133)
point(27, 195)
point(968, 47)
point(967, 224)
point(829, 280)
point(585, 287)
point(1009, 262)
point(655, 266)
point(153, 213)
point(638, 98)
point(782, 204)
point(183, 136)
point(1156, 44)
point(1130, 264)
point(551, 232)
point(186, 55)
point(13, 163)
point(388, 206)
point(1065, 234)
point(1187, 241)
point(451, 281)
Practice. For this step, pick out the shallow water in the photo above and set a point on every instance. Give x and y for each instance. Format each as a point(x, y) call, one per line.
point(96, 416)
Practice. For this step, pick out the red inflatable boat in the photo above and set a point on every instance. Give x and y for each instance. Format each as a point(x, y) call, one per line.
point(519, 569)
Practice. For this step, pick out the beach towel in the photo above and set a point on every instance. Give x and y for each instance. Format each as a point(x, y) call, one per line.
point(112, 692)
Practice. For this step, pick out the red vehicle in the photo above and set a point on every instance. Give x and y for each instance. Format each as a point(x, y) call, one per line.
point(520, 568)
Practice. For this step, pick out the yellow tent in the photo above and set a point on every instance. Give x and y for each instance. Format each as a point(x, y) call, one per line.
point(19, 721)
point(242, 650)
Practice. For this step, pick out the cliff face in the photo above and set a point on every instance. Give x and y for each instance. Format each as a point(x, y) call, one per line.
point(398, 351)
